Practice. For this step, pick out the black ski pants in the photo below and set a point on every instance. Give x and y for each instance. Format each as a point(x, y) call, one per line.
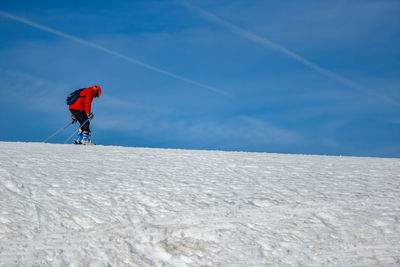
point(81, 116)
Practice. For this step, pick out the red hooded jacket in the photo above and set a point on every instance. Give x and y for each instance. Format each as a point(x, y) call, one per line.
point(84, 102)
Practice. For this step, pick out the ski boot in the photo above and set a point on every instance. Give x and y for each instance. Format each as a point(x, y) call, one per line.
point(79, 139)
point(86, 139)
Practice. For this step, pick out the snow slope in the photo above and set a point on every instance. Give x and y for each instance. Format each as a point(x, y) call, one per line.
point(96, 205)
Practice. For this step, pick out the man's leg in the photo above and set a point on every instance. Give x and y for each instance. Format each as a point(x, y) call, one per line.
point(82, 118)
point(84, 129)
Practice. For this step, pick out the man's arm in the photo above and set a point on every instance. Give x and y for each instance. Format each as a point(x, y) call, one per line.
point(90, 94)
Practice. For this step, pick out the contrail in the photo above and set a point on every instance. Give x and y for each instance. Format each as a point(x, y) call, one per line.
point(267, 43)
point(108, 51)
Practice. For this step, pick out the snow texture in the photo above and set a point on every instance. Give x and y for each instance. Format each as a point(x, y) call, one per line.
point(68, 205)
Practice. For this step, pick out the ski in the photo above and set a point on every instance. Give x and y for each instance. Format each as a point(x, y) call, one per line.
point(88, 144)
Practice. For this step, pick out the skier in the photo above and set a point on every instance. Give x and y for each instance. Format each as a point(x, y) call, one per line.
point(81, 111)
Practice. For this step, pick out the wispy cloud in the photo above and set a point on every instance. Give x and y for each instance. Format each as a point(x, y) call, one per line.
point(271, 45)
point(234, 132)
point(114, 103)
point(110, 52)
point(20, 89)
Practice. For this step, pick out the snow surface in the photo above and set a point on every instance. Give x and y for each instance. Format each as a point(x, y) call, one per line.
point(68, 205)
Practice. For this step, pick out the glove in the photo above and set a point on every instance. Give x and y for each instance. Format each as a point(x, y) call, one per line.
point(74, 119)
point(90, 116)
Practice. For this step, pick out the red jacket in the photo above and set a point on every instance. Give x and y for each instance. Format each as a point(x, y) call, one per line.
point(84, 102)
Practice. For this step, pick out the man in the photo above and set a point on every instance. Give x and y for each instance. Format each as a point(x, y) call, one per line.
point(81, 111)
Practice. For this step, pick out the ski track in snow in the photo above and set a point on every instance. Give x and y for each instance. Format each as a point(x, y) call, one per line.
point(66, 205)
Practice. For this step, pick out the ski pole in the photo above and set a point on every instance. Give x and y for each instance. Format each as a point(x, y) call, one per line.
point(76, 131)
point(51, 136)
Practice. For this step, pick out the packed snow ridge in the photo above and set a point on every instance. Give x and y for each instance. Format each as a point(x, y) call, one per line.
point(63, 205)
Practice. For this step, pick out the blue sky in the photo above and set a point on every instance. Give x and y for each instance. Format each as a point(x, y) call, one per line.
point(310, 77)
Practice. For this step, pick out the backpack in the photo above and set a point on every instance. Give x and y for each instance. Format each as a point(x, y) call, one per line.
point(71, 99)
